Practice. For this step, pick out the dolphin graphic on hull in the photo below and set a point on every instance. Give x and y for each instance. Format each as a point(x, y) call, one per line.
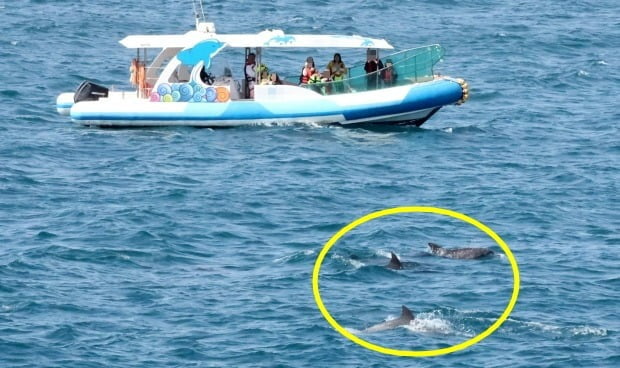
point(406, 316)
point(459, 253)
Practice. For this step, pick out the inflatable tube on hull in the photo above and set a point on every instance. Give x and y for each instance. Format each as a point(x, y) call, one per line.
point(64, 103)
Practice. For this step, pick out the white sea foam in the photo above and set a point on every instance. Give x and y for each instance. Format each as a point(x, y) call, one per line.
point(276, 123)
point(558, 330)
point(430, 325)
point(542, 326)
point(384, 253)
point(355, 263)
point(583, 73)
point(283, 259)
point(588, 330)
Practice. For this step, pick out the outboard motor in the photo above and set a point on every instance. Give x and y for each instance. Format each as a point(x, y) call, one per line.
point(88, 91)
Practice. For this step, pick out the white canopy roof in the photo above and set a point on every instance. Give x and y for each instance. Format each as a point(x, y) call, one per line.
point(270, 38)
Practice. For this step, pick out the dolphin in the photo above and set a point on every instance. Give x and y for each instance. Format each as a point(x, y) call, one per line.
point(405, 317)
point(459, 253)
point(395, 263)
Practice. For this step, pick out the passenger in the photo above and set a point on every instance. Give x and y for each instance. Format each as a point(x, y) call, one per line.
point(250, 74)
point(373, 64)
point(337, 68)
point(389, 74)
point(338, 72)
point(307, 71)
point(274, 79)
point(263, 72)
point(315, 78)
point(314, 82)
point(326, 79)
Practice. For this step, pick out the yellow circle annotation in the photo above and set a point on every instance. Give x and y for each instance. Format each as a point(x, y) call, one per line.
point(415, 353)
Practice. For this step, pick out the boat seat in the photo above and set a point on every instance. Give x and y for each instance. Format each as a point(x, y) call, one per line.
point(180, 75)
point(233, 86)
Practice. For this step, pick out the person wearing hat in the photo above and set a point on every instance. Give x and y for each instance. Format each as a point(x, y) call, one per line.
point(307, 71)
point(389, 74)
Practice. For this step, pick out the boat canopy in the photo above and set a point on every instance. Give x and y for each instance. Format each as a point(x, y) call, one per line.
point(268, 38)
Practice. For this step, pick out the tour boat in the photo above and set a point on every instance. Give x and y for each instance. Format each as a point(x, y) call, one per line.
point(186, 83)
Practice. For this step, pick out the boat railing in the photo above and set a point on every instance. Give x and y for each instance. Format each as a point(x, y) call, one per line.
point(403, 68)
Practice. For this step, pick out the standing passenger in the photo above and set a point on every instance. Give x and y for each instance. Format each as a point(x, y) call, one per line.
point(250, 74)
point(372, 66)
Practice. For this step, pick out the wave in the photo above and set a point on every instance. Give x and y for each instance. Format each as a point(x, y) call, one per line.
point(516, 326)
point(296, 257)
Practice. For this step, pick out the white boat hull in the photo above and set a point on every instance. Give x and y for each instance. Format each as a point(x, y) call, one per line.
point(409, 104)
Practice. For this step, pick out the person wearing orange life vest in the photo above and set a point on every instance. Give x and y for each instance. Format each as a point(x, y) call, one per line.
point(307, 71)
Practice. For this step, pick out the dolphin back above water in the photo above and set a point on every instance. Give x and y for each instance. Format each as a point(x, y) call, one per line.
point(395, 263)
point(459, 253)
point(406, 316)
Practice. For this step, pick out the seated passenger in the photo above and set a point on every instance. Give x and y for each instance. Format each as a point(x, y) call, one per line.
point(274, 79)
point(315, 82)
point(326, 78)
point(263, 73)
point(389, 74)
point(307, 71)
point(338, 72)
point(337, 68)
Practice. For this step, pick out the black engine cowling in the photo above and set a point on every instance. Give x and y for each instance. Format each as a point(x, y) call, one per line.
point(88, 91)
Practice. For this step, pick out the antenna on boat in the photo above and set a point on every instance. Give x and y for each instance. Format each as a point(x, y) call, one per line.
point(199, 11)
point(201, 19)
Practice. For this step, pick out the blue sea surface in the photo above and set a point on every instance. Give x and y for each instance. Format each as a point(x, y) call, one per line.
point(183, 247)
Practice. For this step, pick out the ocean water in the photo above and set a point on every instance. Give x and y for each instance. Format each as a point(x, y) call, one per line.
point(182, 247)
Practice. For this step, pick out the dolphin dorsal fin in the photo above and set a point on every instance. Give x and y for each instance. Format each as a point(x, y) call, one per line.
point(395, 262)
point(434, 247)
point(407, 314)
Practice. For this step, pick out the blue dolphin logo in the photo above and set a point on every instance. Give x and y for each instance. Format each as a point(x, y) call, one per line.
point(367, 42)
point(280, 40)
point(202, 51)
